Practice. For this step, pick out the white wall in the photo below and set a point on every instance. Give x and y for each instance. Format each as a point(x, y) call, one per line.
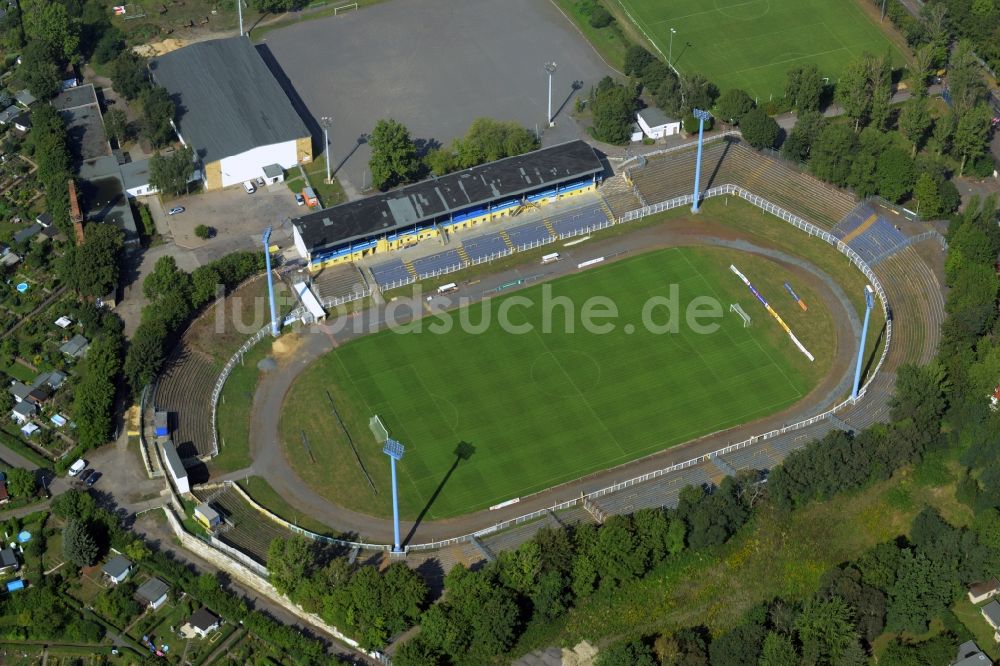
point(300, 244)
point(659, 131)
point(250, 165)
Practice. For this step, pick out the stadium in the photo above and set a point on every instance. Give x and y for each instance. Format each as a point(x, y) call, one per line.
point(508, 433)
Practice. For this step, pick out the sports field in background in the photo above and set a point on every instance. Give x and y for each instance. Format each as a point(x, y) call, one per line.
point(751, 44)
point(545, 408)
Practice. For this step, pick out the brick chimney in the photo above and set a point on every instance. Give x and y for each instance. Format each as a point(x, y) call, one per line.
point(74, 213)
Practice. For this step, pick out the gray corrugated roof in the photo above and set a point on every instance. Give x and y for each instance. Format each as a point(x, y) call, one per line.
point(152, 589)
point(501, 180)
point(654, 117)
point(117, 566)
point(227, 99)
point(135, 174)
point(173, 460)
point(992, 612)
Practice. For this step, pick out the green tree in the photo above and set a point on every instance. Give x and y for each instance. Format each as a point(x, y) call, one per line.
point(50, 24)
point(804, 88)
point(170, 173)
point(636, 60)
point(157, 115)
point(613, 106)
point(965, 81)
point(118, 604)
point(145, 353)
point(289, 560)
point(972, 134)
point(798, 145)
point(833, 152)
point(923, 59)
point(278, 6)
point(21, 482)
point(92, 268)
point(166, 279)
point(128, 71)
point(697, 92)
point(394, 156)
point(94, 397)
point(825, 629)
point(915, 121)
point(6, 399)
point(733, 105)
point(778, 650)
point(109, 46)
point(922, 589)
point(759, 129)
point(38, 71)
point(943, 133)
point(203, 231)
point(488, 140)
point(880, 87)
point(116, 125)
point(925, 191)
point(895, 174)
point(79, 546)
point(853, 92)
point(629, 653)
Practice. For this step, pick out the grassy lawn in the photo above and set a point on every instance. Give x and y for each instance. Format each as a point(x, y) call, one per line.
point(751, 44)
point(594, 399)
point(329, 194)
point(972, 617)
point(234, 411)
point(262, 493)
point(608, 41)
point(778, 555)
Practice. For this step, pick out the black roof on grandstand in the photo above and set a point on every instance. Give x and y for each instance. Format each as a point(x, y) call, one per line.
point(457, 191)
point(227, 99)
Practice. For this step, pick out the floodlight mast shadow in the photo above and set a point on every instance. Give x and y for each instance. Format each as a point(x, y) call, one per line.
point(395, 451)
point(702, 116)
point(266, 238)
point(869, 304)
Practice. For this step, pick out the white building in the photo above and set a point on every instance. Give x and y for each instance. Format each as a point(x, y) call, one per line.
point(232, 111)
point(656, 125)
point(175, 467)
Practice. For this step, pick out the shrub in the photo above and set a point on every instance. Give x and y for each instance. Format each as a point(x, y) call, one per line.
point(203, 231)
point(600, 17)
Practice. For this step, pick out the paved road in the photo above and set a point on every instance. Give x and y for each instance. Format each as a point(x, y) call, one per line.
point(270, 462)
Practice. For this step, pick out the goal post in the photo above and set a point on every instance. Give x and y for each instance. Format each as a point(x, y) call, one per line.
point(344, 8)
point(738, 309)
point(378, 429)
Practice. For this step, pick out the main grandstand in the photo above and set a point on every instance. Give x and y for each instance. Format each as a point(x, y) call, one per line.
point(457, 201)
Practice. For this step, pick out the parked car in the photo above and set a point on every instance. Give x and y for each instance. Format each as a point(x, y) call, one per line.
point(248, 186)
point(93, 479)
point(86, 474)
point(260, 182)
point(77, 467)
point(299, 200)
point(176, 211)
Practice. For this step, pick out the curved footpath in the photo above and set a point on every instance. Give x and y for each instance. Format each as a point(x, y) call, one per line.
point(318, 340)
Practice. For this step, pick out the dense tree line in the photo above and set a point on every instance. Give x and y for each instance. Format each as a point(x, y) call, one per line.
point(897, 586)
point(46, 144)
point(485, 611)
point(487, 140)
point(175, 296)
point(373, 605)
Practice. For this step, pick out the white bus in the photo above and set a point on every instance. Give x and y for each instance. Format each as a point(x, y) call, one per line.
point(447, 288)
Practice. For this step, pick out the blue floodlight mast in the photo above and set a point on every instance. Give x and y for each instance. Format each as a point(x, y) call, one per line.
point(394, 450)
point(270, 282)
point(869, 304)
point(702, 116)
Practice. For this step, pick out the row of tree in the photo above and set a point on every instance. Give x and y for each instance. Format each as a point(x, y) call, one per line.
point(174, 297)
point(396, 158)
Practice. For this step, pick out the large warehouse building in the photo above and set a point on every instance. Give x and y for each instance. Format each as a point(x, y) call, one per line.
point(451, 203)
point(231, 111)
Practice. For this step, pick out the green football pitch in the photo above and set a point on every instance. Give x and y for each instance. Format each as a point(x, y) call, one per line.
point(540, 408)
point(751, 44)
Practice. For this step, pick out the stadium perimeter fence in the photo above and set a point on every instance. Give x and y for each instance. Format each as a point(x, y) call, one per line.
point(645, 211)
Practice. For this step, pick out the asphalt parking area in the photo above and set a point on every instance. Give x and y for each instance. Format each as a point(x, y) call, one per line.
point(435, 66)
point(237, 217)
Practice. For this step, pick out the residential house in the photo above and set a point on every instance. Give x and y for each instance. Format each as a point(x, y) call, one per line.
point(8, 561)
point(981, 592)
point(201, 623)
point(19, 390)
point(25, 98)
point(23, 411)
point(152, 593)
point(22, 123)
point(991, 612)
point(76, 347)
point(117, 568)
point(7, 115)
point(969, 654)
point(27, 234)
point(44, 219)
point(51, 380)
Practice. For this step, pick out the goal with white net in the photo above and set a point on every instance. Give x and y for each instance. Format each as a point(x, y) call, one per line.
point(378, 429)
point(738, 309)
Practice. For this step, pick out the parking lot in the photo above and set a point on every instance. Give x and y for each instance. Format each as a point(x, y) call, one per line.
point(237, 217)
point(435, 66)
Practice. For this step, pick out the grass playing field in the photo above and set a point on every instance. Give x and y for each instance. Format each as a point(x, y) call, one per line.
point(751, 44)
point(544, 408)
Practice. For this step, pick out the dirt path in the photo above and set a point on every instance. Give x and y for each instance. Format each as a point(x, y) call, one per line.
point(270, 462)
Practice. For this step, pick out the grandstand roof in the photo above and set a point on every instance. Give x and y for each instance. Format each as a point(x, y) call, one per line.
point(457, 191)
